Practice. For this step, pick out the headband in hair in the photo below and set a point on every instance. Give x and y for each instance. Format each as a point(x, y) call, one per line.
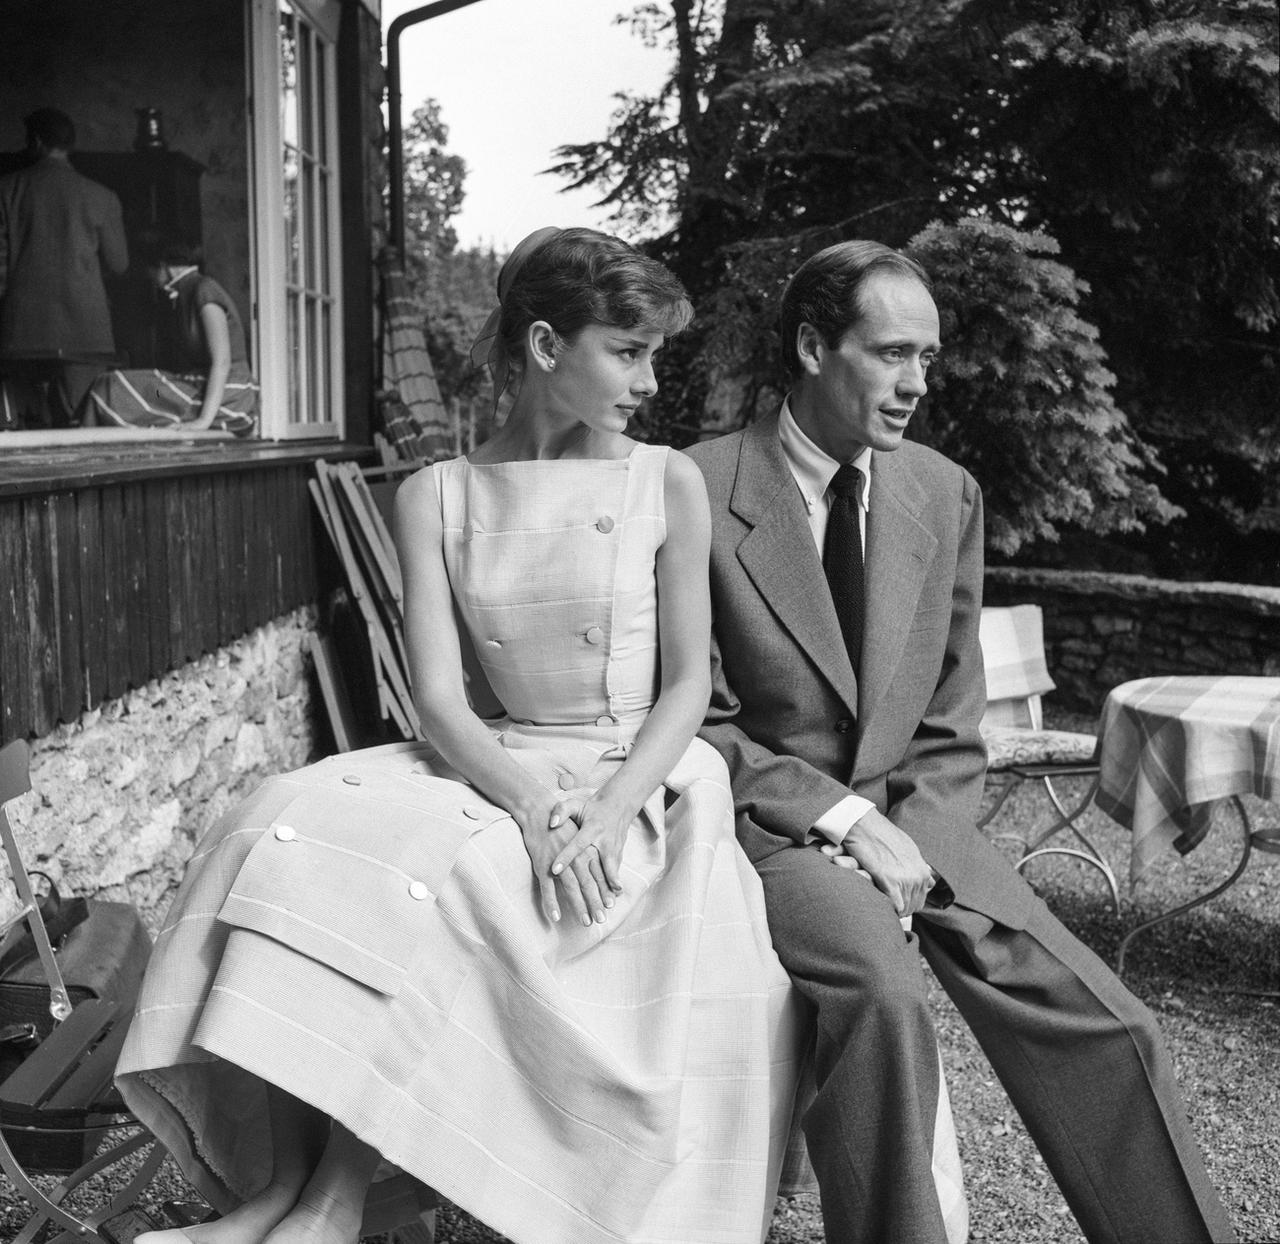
point(489, 349)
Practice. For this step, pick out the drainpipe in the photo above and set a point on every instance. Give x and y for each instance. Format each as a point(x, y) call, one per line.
point(397, 27)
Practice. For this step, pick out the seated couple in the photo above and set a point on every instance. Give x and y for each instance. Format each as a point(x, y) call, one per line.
point(547, 963)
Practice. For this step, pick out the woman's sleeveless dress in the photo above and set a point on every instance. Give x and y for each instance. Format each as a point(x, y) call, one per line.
point(365, 933)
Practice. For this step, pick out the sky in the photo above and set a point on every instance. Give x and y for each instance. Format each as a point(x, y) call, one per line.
point(514, 80)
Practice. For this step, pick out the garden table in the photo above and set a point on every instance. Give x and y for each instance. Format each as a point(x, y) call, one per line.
point(1169, 748)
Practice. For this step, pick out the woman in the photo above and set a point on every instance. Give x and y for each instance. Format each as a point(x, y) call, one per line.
point(525, 965)
point(209, 384)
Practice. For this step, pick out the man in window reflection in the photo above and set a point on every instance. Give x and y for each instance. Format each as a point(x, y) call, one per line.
point(208, 384)
point(58, 232)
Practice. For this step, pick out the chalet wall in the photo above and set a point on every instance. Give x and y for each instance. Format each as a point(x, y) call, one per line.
point(121, 795)
point(117, 572)
point(1104, 629)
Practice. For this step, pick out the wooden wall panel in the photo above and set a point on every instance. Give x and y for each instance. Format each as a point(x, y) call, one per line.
point(138, 610)
point(42, 612)
point(157, 565)
point(115, 655)
point(67, 604)
point(93, 597)
point(15, 684)
point(107, 586)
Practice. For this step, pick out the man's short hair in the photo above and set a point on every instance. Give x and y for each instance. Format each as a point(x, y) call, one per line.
point(826, 291)
point(51, 127)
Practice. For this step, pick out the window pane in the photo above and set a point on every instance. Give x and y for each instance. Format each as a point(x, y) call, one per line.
point(322, 106)
point(291, 215)
point(326, 370)
point(316, 356)
point(312, 235)
point(323, 240)
point(295, 361)
point(288, 78)
point(306, 89)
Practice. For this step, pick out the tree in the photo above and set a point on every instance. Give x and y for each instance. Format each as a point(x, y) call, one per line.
point(1140, 134)
point(456, 286)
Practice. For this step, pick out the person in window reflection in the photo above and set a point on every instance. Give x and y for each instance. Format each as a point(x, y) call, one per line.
point(208, 384)
point(58, 232)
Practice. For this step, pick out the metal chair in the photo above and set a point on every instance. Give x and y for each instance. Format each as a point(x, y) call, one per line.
point(1020, 749)
point(61, 1097)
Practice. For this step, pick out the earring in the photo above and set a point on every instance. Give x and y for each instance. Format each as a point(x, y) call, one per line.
point(551, 364)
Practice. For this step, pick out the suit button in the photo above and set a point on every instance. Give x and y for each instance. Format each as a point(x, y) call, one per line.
point(844, 725)
point(285, 833)
point(604, 524)
point(468, 531)
point(351, 779)
point(493, 643)
point(595, 635)
point(419, 890)
point(471, 813)
point(566, 781)
point(606, 720)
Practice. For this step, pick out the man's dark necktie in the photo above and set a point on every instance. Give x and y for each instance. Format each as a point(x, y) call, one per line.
point(842, 559)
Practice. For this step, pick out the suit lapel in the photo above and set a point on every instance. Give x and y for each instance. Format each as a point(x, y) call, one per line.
point(899, 551)
point(779, 556)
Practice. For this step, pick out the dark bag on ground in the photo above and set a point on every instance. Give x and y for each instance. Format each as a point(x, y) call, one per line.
point(102, 956)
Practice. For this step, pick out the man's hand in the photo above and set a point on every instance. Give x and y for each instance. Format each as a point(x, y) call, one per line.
point(891, 859)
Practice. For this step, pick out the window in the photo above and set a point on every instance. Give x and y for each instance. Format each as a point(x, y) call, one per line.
point(297, 261)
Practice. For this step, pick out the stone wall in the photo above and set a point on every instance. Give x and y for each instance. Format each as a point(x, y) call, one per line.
point(1104, 629)
point(120, 796)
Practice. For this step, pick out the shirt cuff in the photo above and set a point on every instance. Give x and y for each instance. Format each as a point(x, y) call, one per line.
point(838, 821)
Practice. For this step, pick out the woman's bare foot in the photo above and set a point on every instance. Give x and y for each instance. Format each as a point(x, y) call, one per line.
point(330, 1207)
point(249, 1223)
point(320, 1218)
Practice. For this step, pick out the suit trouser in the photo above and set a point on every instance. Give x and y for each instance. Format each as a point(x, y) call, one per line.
point(1080, 1057)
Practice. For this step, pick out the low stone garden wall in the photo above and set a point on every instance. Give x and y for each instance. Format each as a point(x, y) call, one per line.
point(120, 797)
point(1104, 629)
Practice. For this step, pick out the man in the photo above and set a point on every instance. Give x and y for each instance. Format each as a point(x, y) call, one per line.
point(58, 230)
point(847, 707)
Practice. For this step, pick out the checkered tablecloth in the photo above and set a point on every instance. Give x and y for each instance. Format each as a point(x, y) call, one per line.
point(1170, 747)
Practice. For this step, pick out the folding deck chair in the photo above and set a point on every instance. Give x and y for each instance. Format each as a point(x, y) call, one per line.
point(1020, 749)
point(61, 1098)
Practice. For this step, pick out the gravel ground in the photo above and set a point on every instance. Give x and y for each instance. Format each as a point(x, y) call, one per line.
point(1213, 979)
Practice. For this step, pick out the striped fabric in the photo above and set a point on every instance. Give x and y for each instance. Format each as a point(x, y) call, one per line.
point(414, 417)
point(1012, 639)
point(364, 933)
point(1172, 746)
point(146, 398)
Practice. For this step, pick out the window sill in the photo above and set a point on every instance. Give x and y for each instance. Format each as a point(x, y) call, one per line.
point(116, 455)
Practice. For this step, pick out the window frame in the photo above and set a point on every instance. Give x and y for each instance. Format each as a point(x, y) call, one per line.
point(273, 288)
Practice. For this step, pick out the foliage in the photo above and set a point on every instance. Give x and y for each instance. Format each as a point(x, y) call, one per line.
point(455, 285)
point(1140, 134)
point(1021, 393)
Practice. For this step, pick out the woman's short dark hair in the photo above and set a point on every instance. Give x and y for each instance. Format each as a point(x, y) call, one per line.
point(156, 249)
point(578, 277)
point(51, 127)
point(826, 291)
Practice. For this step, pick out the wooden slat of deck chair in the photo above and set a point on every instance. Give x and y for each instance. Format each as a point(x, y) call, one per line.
point(372, 542)
point(362, 554)
point(333, 691)
point(386, 643)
